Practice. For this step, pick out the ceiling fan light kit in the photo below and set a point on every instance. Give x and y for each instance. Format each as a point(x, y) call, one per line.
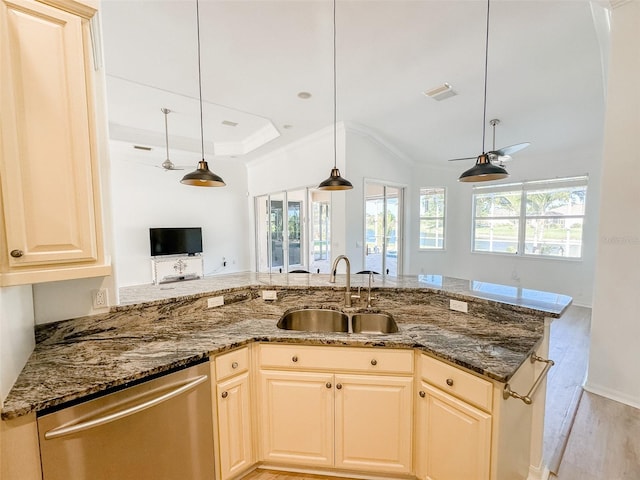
point(335, 181)
point(201, 176)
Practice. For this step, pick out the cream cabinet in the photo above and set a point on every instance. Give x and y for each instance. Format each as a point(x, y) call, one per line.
point(454, 439)
point(234, 443)
point(50, 219)
point(342, 407)
point(453, 423)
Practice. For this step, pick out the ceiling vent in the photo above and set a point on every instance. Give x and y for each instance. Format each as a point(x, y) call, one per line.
point(229, 123)
point(140, 147)
point(441, 92)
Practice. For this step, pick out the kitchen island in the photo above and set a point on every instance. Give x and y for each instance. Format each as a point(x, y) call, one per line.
point(161, 329)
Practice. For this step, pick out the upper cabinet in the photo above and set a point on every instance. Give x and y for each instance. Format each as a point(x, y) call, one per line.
point(50, 220)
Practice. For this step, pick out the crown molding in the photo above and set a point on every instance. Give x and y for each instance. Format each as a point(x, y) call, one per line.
point(619, 3)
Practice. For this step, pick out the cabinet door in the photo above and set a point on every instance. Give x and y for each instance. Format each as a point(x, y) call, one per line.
point(46, 152)
point(297, 417)
point(374, 423)
point(453, 438)
point(234, 425)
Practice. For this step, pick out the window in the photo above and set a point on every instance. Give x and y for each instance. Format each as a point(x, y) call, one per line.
point(542, 218)
point(432, 208)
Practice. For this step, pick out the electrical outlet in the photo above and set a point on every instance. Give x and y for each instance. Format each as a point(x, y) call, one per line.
point(458, 306)
point(269, 294)
point(100, 298)
point(215, 301)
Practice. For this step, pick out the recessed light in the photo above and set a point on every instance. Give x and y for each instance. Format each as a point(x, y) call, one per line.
point(441, 92)
point(304, 95)
point(140, 147)
point(229, 123)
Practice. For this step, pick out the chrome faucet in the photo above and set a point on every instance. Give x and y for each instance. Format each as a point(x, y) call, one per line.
point(371, 280)
point(332, 278)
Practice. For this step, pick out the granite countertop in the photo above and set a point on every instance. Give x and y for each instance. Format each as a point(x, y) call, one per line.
point(78, 358)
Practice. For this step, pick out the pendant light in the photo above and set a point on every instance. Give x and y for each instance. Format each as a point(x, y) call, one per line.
point(201, 176)
point(335, 181)
point(484, 170)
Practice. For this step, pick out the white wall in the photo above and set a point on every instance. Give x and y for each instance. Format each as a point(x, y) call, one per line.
point(17, 339)
point(615, 323)
point(304, 163)
point(370, 159)
point(569, 277)
point(144, 196)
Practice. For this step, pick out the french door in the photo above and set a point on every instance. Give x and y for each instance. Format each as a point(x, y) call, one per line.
point(384, 212)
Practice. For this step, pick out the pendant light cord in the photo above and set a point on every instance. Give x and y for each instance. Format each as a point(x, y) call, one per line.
point(166, 130)
point(335, 103)
point(200, 78)
point(486, 69)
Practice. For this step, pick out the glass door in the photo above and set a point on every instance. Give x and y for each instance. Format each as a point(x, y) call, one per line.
point(282, 233)
point(383, 228)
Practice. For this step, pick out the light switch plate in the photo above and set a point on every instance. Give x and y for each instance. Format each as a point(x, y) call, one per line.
point(215, 301)
point(458, 306)
point(269, 295)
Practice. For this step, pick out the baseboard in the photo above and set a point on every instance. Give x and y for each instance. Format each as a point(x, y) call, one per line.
point(612, 394)
point(540, 472)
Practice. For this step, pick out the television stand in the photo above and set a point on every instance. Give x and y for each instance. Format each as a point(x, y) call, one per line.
point(176, 268)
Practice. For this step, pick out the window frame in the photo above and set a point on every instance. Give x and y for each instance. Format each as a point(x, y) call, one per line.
point(522, 189)
point(443, 218)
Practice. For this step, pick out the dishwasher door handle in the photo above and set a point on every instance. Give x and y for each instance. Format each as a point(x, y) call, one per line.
point(112, 417)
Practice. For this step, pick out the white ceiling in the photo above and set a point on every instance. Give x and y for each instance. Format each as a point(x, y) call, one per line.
point(546, 80)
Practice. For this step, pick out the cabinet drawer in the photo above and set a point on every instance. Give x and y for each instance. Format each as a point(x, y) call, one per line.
point(232, 363)
point(450, 379)
point(372, 360)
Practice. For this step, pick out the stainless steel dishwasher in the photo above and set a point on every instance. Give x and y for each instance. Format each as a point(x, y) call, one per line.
point(158, 430)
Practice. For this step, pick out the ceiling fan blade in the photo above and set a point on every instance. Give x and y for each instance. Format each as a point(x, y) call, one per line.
point(458, 159)
point(504, 151)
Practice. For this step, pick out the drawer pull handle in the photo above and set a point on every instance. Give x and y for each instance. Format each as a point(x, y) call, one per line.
point(16, 253)
point(225, 394)
point(374, 362)
point(422, 394)
point(339, 386)
point(450, 382)
point(527, 398)
point(328, 385)
point(234, 365)
point(294, 359)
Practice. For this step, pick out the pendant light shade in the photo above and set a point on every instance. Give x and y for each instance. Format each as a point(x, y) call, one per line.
point(335, 181)
point(201, 176)
point(483, 171)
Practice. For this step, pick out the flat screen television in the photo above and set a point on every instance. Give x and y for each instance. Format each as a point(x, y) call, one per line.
point(175, 241)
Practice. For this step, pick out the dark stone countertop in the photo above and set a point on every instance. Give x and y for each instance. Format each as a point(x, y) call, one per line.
point(77, 358)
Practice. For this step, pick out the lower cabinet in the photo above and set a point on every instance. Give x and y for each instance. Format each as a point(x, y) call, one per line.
point(453, 439)
point(360, 422)
point(233, 415)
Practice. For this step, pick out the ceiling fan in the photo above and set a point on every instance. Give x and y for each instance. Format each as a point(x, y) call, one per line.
point(489, 165)
point(501, 155)
point(167, 164)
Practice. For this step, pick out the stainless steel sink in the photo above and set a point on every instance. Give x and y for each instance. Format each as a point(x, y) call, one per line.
point(315, 320)
point(373, 323)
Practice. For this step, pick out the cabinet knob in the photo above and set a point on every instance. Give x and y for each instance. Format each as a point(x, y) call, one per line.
point(339, 386)
point(294, 359)
point(422, 394)
point(328, 384)
point(16, 253)
point(225, 394)
point(234, 365)
point(374, 362)
point(450, 382)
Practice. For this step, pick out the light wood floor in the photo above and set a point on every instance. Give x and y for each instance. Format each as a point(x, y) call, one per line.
point(602, 439)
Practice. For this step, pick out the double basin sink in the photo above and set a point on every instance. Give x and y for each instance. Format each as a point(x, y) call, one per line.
point(325, 320)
